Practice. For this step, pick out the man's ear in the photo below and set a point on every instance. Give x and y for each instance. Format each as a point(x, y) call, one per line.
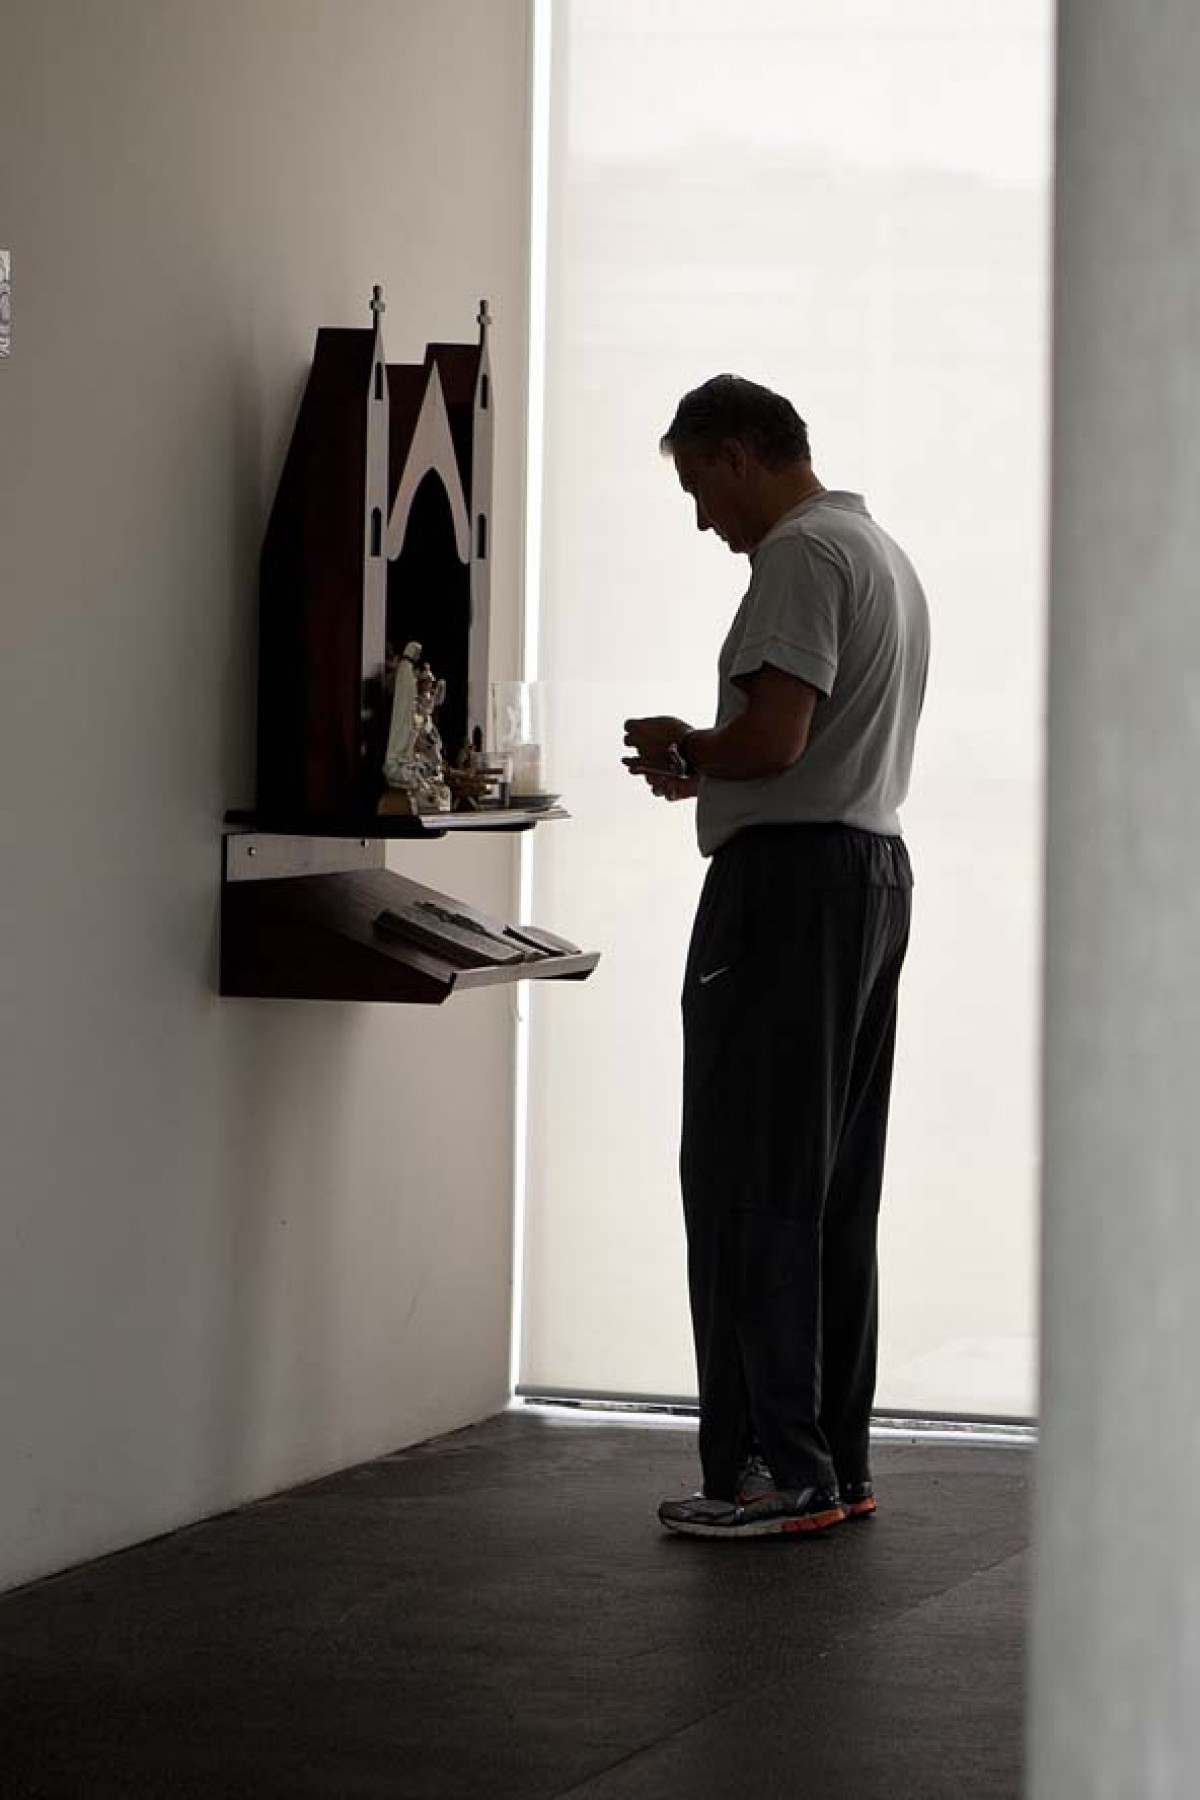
point(733, 454)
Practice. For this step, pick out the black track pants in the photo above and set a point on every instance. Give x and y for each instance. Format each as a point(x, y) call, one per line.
point(789, 1013)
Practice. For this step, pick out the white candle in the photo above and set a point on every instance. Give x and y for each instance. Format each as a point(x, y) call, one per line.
point(527, 769)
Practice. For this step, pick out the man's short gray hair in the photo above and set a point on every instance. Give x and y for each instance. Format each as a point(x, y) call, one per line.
point(729, 406)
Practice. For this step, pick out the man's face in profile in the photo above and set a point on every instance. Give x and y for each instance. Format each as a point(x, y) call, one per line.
point(720, 482)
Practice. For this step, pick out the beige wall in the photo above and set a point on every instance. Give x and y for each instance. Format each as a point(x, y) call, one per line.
point(241, 1243)
point(1116, 1634)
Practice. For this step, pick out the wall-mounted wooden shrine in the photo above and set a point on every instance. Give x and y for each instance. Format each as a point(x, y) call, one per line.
point(379, 541)
point(379, 535)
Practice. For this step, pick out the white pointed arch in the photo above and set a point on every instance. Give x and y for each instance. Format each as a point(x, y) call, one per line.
point(432, 447)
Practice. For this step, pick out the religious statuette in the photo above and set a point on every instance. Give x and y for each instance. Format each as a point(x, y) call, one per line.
point(414, 766)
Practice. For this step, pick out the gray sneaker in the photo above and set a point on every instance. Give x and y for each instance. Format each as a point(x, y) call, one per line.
point(760, 1509)
point(858, 1498)
point(755, 1480)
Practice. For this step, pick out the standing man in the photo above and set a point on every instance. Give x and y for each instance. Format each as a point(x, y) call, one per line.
point(789, 1000)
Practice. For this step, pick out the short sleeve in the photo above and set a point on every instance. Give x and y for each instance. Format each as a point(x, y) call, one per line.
point(791, 615)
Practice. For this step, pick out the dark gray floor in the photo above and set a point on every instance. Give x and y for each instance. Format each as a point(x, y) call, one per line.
point(498, 1614)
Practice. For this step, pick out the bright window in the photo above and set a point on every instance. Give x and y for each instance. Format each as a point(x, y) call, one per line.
point(851, 204)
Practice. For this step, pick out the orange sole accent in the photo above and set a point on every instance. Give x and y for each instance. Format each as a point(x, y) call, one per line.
point(816, 1521)
point(862, 1509)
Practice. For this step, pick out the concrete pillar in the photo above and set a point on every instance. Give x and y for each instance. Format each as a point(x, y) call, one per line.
point(1116, 1651)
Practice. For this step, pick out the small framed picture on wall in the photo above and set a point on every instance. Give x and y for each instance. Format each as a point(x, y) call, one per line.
point(5, 304)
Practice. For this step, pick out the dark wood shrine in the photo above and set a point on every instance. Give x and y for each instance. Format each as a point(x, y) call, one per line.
point(379, 535)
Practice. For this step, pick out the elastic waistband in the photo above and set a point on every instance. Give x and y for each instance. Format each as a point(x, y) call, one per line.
point(829, 853)
point(808, 828)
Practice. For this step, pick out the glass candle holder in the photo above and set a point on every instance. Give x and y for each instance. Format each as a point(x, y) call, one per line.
point(519, 730)
point(495, 768)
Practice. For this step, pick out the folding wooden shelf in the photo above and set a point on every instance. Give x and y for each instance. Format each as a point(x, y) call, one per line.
point(306, 918)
